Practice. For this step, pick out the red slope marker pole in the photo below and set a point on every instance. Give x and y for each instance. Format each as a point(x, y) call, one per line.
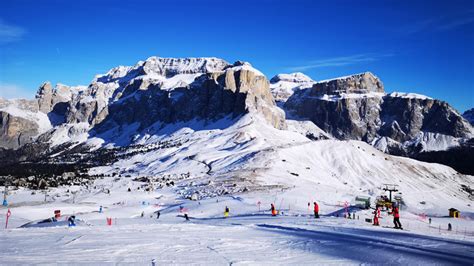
point(8, 216)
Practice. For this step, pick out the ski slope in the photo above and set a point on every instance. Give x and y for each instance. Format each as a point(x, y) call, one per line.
point(248, 236)
point(246, 165)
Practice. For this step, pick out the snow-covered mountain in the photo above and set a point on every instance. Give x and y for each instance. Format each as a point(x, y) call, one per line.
point(158, 90)
point(284, 85)
point(408, 124)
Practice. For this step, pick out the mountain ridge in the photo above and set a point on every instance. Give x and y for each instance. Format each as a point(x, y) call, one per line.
point(160, 91)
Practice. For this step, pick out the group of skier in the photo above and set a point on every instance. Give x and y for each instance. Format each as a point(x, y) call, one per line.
point(395, 211)
point(396, 216)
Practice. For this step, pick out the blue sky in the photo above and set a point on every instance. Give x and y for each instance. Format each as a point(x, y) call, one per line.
point(413, 46)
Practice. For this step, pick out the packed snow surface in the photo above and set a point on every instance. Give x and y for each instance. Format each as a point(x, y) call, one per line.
point(250, 235)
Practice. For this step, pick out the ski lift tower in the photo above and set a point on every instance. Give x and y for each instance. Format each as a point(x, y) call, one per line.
point(390, 188)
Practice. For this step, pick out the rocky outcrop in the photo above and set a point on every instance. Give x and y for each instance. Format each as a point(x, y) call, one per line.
point(403, 118)
point(20, 122)
point(16, 131)
point(59, 102)
point(469, 116)
point(250, 93)
point(48, 97)
point(237, 90)
point(347, 108)
point(356, 107)
point(45, 97)
point(359, 84)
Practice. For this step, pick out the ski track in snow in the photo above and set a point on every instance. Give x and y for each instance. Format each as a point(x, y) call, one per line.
point(406, 246)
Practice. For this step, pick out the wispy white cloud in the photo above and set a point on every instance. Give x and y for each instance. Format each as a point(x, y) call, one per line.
point(340, 61)
point(13, 91)
point(10, 33)
point(449, 25)
point(441, 23)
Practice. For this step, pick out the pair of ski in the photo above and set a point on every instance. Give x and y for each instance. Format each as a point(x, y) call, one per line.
point(399, 228)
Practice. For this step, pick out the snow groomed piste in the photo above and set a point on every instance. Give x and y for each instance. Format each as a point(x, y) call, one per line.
point(122, 227)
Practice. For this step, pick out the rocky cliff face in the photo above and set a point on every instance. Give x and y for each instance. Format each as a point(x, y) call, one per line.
point(20, 122)
point(235, 90)
point(347, 108)
point(158, 90)
point(357, 107)
point(358, 84)
point(405, 116)
point(16, 131)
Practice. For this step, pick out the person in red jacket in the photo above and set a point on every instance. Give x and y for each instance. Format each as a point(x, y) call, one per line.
point(376, 215)
point(274, 212)
point(316, 210)
point(396, 217)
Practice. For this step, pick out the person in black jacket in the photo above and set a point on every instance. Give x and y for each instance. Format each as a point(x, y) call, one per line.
point(72, 220)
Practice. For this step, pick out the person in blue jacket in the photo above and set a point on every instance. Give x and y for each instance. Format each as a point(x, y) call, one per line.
point(72, 220)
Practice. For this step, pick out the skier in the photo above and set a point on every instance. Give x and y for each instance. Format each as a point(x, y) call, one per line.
point(226, 212)
point(158, 214)
point(100, 209)
point(316, 210)
point(396, 217)
point(376, 215)
point(71, 221)
point(274, 212)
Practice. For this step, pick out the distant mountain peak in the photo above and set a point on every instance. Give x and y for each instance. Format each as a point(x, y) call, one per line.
point(296, 77)
point(469, 116)
point(166, 67)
